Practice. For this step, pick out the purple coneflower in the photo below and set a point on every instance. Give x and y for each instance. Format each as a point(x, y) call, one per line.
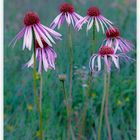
point(113, 39)
point(108, 55)
point(46, 57)
point(94, 17)
point(67, 13)
point(32, 24)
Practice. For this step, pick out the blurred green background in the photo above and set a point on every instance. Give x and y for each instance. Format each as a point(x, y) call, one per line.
point(20, 117)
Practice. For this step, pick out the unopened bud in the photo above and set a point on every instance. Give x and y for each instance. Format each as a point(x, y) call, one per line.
point(62, 77)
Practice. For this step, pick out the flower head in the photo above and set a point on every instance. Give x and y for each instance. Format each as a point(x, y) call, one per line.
point(67, 13)
point(31, 18)
point(94, 18)
point(45, 56)
point(32, 25)
point(93, 12)
point(114, 39)
point(106, 53)
point(66, 8)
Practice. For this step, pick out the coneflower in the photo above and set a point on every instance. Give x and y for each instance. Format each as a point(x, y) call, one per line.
point(94, 18)
point(45, 56)
point(108, 55)
point(32, 24)
point(113, 38)
point(67, 12)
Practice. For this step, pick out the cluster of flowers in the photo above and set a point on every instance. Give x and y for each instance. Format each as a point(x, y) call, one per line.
point(46, 55)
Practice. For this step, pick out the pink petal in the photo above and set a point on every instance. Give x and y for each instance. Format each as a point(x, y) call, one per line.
point(38, 38)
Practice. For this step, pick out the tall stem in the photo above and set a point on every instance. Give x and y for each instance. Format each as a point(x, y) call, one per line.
point(71, 80)
point(82, 126)
point(106, 107)
point(35, 89)
point(92, 50)
point(103, 103)
point(93, 43)
point(68, 109)
point(40, 102)
point(71, 61)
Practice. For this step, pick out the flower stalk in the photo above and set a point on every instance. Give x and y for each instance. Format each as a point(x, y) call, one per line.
point(106, 107)
point(93, 46)
point(38, 103)
point(82, 126)
point(68, 108)
point(71, 79)
point(94, 35)
point(103, 104)
point(71, 61)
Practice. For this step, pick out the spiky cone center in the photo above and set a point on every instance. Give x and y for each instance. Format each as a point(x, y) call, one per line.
point(106, 50)
point(31, 18)
point(66, 7)
point(112, 33)
point(93, 11)
point(45, 45)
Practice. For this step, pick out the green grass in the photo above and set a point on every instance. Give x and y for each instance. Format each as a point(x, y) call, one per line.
point(20, 117)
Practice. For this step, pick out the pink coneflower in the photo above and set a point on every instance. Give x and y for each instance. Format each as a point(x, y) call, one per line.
point(108, 55)
point(46, 57)
point(94, 17)
point(113, 39)
point(32, 24)
point(67, 13)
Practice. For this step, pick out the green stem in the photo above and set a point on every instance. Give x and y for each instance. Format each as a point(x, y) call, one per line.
point(35, 88)
point(71, 61)
point(82, 126)
point(93, 46)
point(71, 80)
point(65, 97)
point(106, 107)
point(68, 110)
point(40, 115)
point(94, 32)
point(103, 104)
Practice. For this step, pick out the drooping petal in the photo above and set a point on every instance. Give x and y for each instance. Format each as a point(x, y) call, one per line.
point(52, 32)
point(106, 62)
point(128, 46)
point(108, 21)
point(90, 24)
point(51, 57)
point(40, 61)
point(47, 34)
point(77, 15)
point(68, 18)
point(116, 45)
point(97, 25)
point(62, 18)
point(38, 38)
point(115, 60)
point(45, 63)
point(92, 62)
point(30, 63)
point(41, 34)
point(80, 23)
point(72, 21)
point(101, 25)
point(99, 63)
point(55, 21)
point(103, 22)
point(30, 38)
point(17, 37)
point(25, 38)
